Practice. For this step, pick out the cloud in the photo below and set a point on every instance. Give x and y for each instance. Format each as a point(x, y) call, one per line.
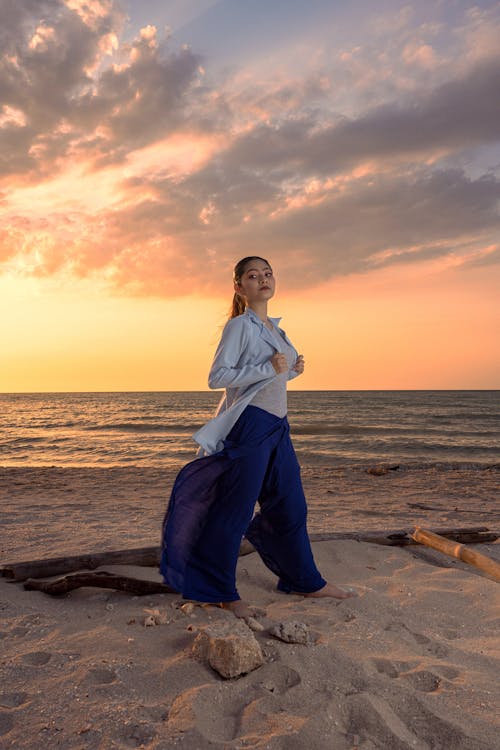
point(478, 33)
point(91, 123)
point(166, 245)
point(53, 73)
point(490, 256)
point(457, 114)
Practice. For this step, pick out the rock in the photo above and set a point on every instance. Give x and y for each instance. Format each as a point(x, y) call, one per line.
point(254, 624)
point(292, 632)
point(229, 647)
point(187, 608)
point(380, 470)
point(155, 617)
point(377, 471)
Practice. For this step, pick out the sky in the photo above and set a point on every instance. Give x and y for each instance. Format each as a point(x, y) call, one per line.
point(147, 145)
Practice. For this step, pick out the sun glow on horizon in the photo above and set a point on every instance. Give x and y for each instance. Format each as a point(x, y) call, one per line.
point(82, 338)
point(358, 151)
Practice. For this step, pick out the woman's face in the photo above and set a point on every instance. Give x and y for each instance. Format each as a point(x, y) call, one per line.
point(257, 282)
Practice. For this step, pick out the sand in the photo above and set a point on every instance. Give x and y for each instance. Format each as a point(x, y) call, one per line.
point(413, 662)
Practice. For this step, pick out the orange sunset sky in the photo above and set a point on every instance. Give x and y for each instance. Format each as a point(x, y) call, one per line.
point(145, 146)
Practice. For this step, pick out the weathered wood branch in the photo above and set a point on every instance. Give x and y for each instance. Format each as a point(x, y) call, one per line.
point(100, 579)
point(448, 547)
point(403, 537)
point(150, 556)
point(55, 566)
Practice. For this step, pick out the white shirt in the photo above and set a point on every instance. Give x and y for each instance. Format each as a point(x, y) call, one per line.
point(241, 365)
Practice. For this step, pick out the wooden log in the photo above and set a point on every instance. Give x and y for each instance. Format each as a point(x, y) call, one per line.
point(402, 537)
point(142, 587)
point(471, 538)
point(54, 566)
point(99, 579)
point(150, 556)
point(453, 549)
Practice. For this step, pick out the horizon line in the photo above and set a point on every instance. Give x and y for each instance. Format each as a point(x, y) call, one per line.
point(296, 390)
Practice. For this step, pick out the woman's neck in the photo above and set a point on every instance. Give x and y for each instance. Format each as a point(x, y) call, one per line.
point(260, 309)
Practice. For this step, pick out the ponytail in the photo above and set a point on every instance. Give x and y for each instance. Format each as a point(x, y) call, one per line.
point(238, 306)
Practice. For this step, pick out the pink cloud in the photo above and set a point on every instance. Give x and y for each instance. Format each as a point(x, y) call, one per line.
point(136, 158)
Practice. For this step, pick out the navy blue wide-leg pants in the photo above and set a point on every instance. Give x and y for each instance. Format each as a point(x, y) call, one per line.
point(211, 509)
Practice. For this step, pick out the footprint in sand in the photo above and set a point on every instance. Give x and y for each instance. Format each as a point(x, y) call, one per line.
point(156, 714)
point(431, 729)
point(449, 673)
point(135, 734)
point(402, 721)
point(101, 676)
point(371, 716)
point(439, 650)
point(209, 710)
point(17, 632)
point(436, 649)
point(13, 700)
point(451, 635)
point(423, 680)
point(279, 679)
point(6, 723)
point(392, 668)
point(36, 658)
point(222, 712)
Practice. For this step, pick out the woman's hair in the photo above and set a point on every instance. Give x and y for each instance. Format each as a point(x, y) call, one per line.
point(238, 306)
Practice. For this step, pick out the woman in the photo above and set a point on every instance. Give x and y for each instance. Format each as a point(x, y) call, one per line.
point(246, 456)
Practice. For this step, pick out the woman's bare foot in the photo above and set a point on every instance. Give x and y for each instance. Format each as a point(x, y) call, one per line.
point(333, 591)
point(241, 609)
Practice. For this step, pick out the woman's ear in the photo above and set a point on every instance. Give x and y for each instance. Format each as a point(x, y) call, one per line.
point(237, 288)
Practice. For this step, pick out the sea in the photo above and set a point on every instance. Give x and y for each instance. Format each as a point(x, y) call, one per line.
point(333, 428)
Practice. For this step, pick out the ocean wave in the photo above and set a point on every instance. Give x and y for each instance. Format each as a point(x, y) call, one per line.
point(142, 427)
point(328, 428)
point(18, 442)
point(40, 424)
point(468, 416)
point(320, 428)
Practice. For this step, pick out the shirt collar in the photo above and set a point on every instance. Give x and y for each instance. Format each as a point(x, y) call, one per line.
point(253, 315)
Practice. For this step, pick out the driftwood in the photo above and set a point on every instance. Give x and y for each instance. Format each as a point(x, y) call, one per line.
point(456, 509)
point(102, 580)
point(403, 538)
point(55, 566)
point(150, 556)
point(448, 547)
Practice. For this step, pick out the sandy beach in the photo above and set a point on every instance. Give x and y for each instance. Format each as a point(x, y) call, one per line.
point(413, 662)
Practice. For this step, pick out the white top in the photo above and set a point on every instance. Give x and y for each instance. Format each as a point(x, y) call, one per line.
point(272, 397)
point(242, 366)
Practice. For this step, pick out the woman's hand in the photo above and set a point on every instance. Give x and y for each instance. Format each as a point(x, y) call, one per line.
point(279, 363)
point(299, 365)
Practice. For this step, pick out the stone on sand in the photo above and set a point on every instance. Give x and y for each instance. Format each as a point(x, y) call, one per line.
point(292, 632)
point(229, 647)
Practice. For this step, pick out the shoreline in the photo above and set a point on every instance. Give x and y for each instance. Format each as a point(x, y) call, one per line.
point(52, 511)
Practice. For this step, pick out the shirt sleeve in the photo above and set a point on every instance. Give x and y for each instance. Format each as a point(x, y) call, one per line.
point(225, 371)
